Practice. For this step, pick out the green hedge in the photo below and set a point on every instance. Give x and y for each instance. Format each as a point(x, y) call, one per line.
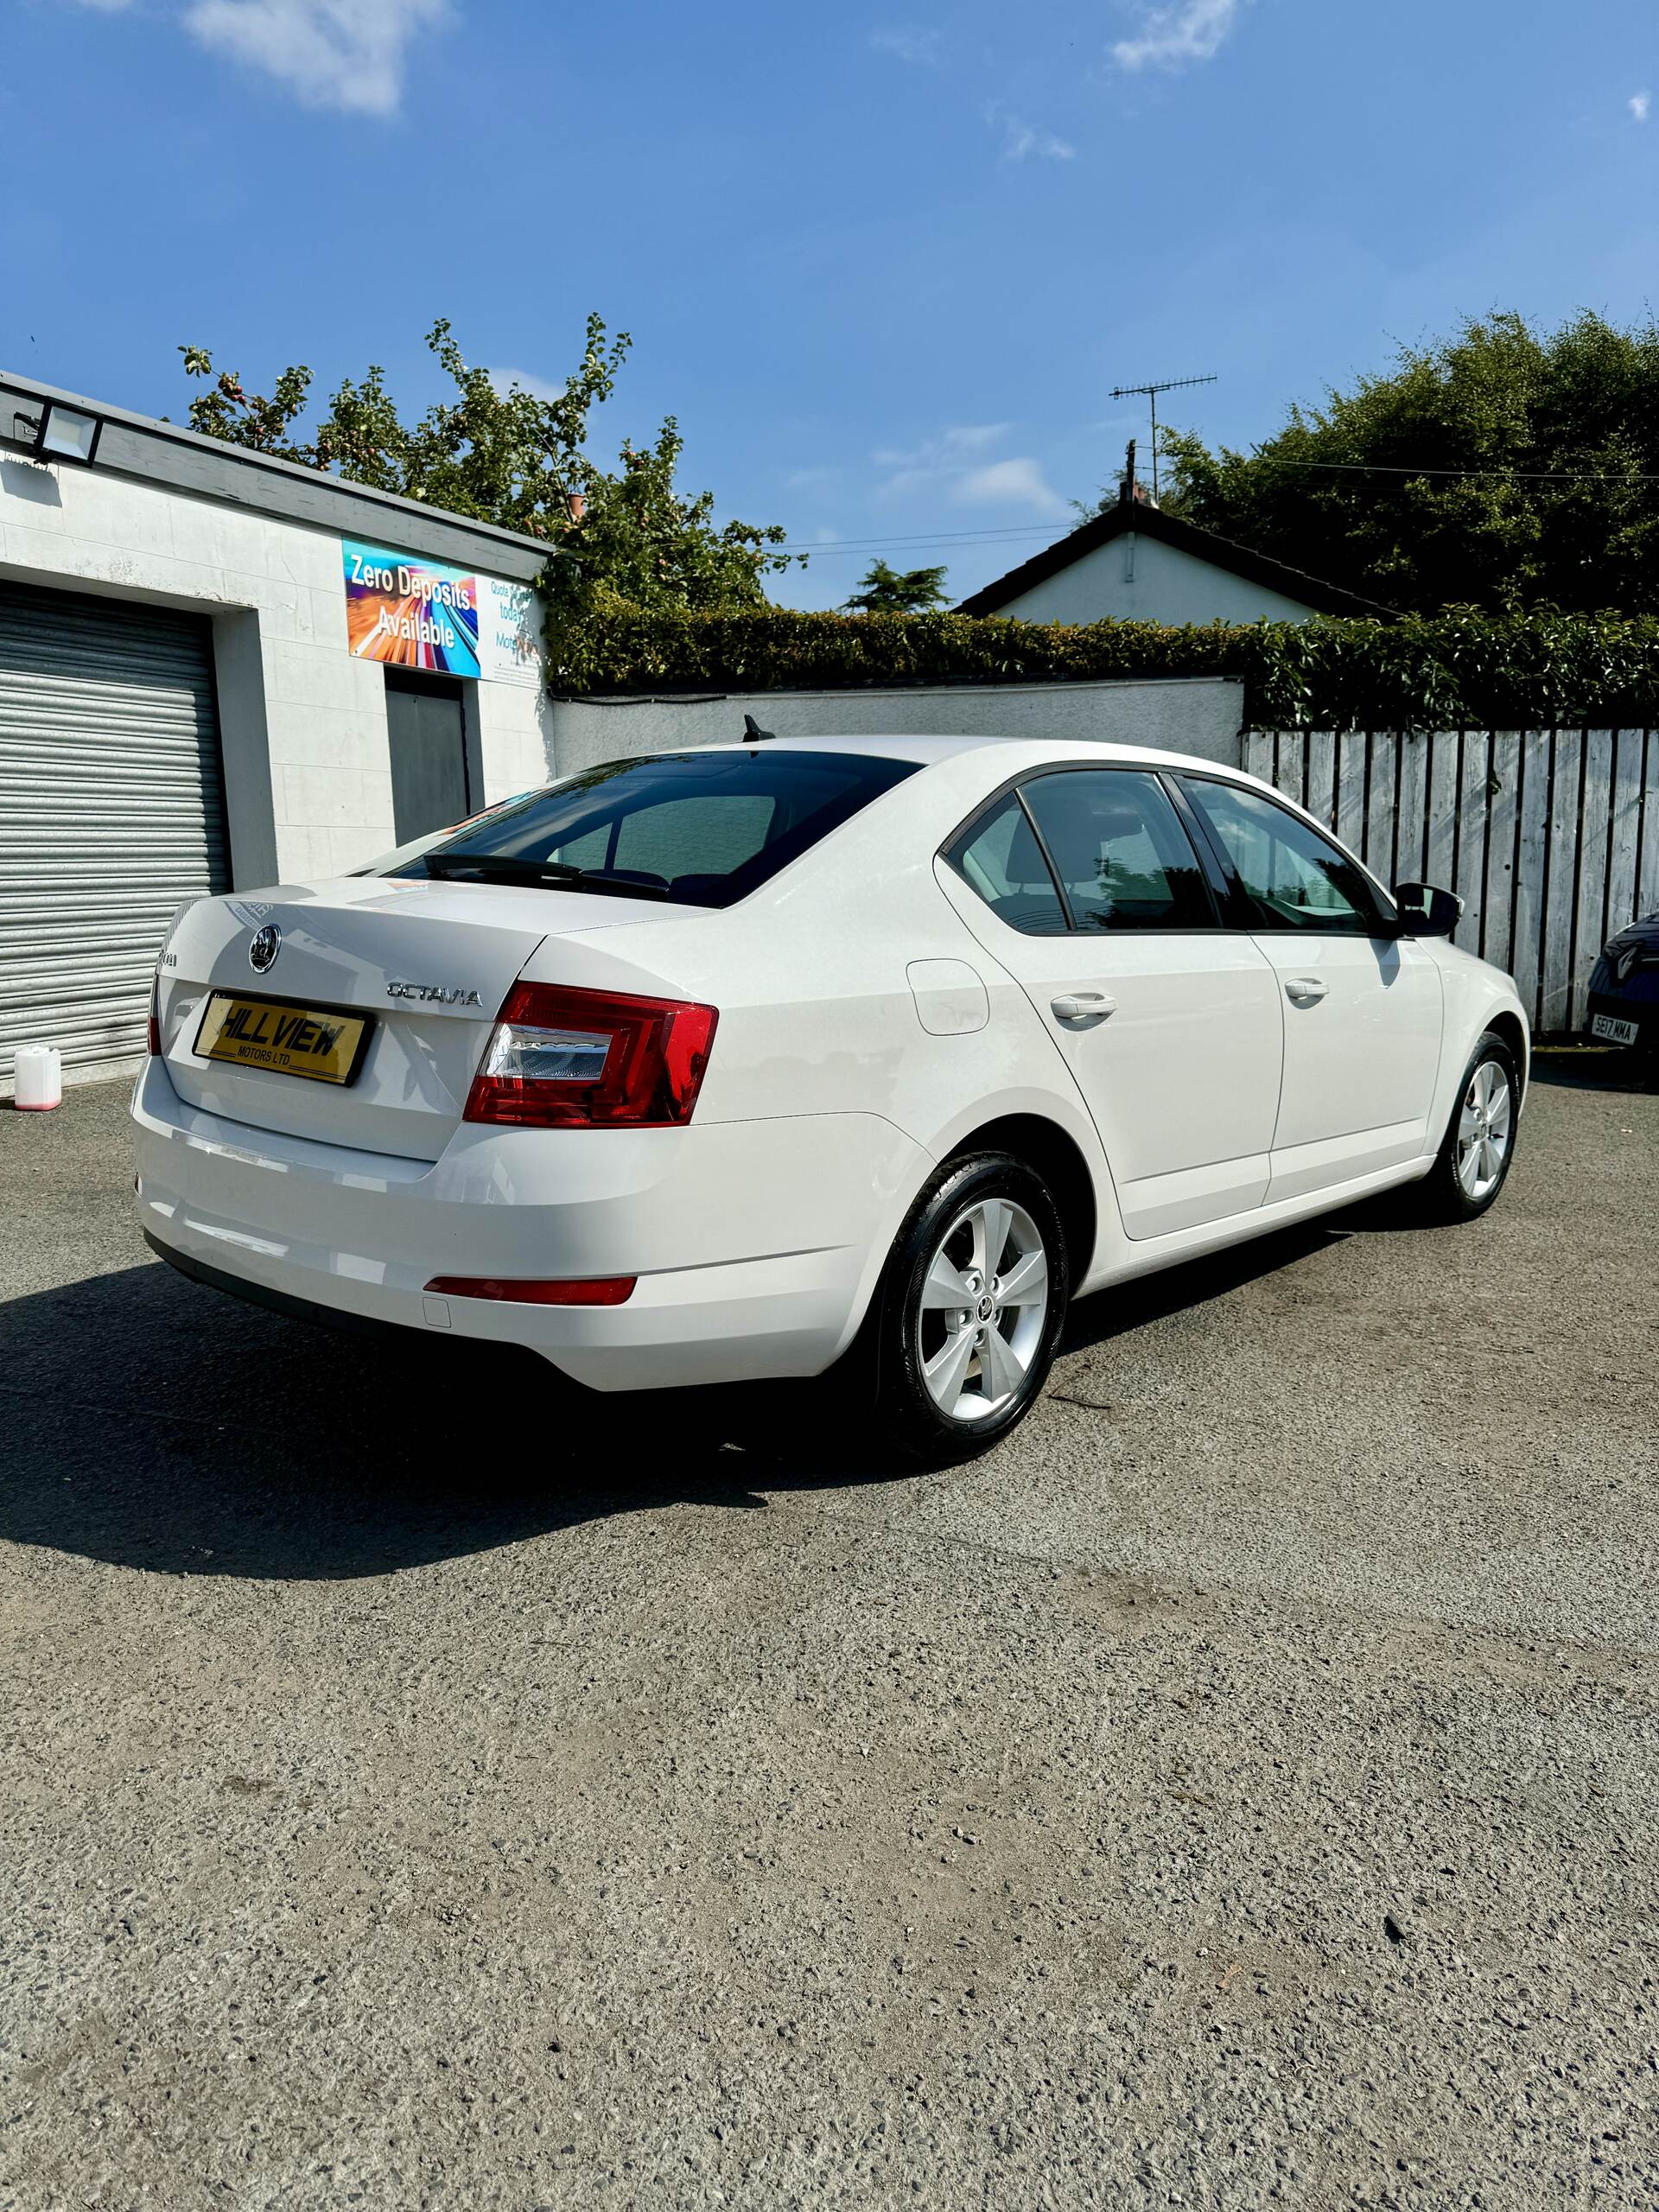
point(1460, 669)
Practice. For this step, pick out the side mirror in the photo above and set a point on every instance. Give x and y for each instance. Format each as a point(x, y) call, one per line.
point(1426, 910)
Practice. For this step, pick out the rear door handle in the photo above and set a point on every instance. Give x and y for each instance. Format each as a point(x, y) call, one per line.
point(1081, 1006)
point(1306, 990)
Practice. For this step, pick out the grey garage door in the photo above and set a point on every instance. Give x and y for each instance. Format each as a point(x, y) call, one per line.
point(111, 813)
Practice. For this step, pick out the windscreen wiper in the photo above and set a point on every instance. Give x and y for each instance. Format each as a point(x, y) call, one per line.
point(553, 875)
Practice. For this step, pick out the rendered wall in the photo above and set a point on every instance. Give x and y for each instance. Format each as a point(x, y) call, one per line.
point(1202, 716)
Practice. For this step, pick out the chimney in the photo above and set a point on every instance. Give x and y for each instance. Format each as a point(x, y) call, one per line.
point(577, 504)
point(1131, 492)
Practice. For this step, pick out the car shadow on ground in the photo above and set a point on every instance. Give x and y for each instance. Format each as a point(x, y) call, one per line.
point(154, 1424)
point(157, 1424)
point(1596, 1067)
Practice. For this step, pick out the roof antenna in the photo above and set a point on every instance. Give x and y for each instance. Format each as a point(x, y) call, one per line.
point(753, 733)
point(1151, 392)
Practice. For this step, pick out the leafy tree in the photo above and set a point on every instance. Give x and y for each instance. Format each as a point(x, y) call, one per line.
point(519, 459)
point(1506, 467)
point(899, 591)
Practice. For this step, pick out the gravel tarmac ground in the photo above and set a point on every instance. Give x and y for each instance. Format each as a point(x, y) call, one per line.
point(1240, 1788)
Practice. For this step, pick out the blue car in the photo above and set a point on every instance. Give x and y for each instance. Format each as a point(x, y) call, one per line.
point(1624, 988)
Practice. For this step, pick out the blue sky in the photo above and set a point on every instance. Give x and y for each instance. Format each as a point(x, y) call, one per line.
point(885, 264)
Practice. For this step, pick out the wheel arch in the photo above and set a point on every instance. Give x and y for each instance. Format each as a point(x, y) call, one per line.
point(1511, 1027)
point(1056, 1156)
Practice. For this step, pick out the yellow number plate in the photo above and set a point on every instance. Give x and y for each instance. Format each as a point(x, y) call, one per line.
point(288, 1040)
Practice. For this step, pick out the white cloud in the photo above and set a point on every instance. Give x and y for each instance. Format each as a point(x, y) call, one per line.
point(538, 387)
point(1191, 30)
point(349, 54)
point(1021, 139)
point(1019, 483)
point(937, 461)
point(955, 466)
point(948, 450)
point(1638, 107)
point(907, 43)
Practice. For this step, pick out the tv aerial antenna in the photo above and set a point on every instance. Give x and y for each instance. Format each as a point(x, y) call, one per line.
point(1149, 392)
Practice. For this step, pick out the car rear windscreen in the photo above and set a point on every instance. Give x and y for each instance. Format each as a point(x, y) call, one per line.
point(700, 829)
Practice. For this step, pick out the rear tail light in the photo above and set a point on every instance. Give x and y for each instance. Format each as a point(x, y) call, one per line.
point(153, 1041)
point(596, 1290)
point(560, 1058)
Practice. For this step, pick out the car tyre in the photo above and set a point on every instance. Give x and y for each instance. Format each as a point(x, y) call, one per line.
point(1473, 1162)
point(971, 1306)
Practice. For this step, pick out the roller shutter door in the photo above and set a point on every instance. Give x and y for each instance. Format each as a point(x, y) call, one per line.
point(111, 813)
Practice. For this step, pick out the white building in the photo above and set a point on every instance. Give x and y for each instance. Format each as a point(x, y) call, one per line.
point(218, 669)
point(1135, 563)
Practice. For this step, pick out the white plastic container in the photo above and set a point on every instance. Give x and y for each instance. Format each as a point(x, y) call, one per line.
point(40, 1078)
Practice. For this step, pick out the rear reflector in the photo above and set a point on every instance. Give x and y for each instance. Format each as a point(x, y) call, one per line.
point(597, 1290)
point(563, 1059)
point(153, 1040)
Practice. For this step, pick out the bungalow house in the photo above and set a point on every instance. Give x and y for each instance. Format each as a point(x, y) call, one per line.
point(1135, 563)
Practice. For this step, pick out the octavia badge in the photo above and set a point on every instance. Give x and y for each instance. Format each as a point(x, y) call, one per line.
point(264, 948)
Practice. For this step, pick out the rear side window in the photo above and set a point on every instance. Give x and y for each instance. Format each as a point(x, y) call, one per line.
point(1119, 849)
point(702, 828)
point(1296, 879)
point(1000, 856)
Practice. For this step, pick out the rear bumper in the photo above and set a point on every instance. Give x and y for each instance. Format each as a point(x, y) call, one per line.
point(755, 1244)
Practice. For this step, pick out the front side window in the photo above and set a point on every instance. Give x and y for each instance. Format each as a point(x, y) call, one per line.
point(702, 828)
point(1117, 845)
point(1295, 878)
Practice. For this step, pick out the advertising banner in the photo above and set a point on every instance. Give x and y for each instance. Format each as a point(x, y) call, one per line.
point(413, 613)
point(509, 632)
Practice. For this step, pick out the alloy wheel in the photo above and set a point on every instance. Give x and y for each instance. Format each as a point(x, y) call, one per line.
point(981, 1309)
point(1483, 1130)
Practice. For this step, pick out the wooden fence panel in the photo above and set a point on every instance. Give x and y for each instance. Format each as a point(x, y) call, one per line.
point(1258, 753)
point(1381, 805)
point(1413, 808)
point(1589, 934)
point(1646, 866)
point(1439, 855)
point(1353, 750)
point(1502, 816)
point(1532, 847)
point(1469, 869)
point(1321, 800)
point(1624, 828)
point(1555, 971)
point(1288, 769)
point(1549, 838)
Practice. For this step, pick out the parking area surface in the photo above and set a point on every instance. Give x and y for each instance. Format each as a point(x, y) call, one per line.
point(1239, 1788)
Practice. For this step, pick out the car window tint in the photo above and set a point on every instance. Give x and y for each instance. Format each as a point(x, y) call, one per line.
point(1001, 858)
point(1119, 849)
point(1296, 879)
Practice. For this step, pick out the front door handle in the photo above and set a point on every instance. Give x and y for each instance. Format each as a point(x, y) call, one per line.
point(1306, 990)
point(1081, 1006)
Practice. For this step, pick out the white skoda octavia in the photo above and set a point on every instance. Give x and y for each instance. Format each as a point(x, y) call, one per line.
point(739, 1062)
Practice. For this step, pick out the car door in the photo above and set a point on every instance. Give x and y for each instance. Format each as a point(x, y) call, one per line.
point(1085, 885)
point(1362, 1002)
